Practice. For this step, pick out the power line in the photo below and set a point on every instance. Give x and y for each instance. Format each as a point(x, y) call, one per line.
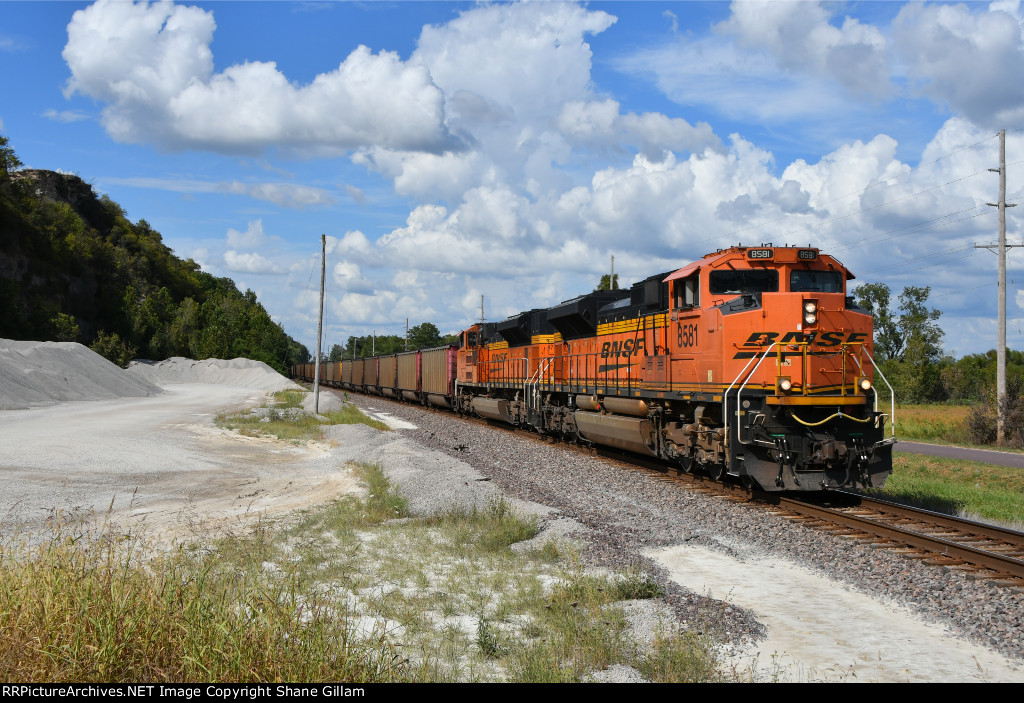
point(914, 228)
point(888, 202)
point(867, 188)
point(947, 252)
point(965, 290)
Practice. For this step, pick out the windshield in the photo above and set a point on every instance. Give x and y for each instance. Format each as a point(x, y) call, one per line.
point(816, 282)
point(744, 282)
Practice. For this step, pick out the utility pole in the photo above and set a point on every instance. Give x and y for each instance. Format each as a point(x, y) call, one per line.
point(611, 276)
point(320, 324)
point(481, 308)
point(407, 334)
point(1001, 251)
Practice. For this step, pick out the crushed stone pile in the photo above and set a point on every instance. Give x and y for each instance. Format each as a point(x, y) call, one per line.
point(44, 373)
point(240, 373)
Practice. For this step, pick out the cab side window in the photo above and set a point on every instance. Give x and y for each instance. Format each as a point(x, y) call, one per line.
point(687, 292)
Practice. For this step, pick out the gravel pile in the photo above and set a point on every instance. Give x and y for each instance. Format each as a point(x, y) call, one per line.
point(43, 373)
point(623, 512)
point(240, 373)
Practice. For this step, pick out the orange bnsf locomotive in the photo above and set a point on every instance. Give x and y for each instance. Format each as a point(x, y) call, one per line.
point(751, 362)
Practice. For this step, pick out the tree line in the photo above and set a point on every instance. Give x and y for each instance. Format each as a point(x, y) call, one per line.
point(78, 270)
point(422, 336)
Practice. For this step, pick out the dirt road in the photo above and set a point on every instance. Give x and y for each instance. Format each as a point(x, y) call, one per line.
point(159, 460)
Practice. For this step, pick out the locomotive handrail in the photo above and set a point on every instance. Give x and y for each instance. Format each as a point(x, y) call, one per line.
point(739, 392)
point(892, 396)
point(725, 396)
point(531, 396)
point(892, 393)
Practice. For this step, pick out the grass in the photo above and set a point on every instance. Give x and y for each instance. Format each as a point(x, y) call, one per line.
point(933, 422)
point(972, 489)
point(283, 419)
point(939, 424)
point(84, 608)
point(465, 606)
point(346, 592)
point(351, 415)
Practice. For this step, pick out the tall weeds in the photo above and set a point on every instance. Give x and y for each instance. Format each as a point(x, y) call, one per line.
point(81, 608)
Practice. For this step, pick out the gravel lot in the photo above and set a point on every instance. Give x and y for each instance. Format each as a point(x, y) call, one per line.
point(929, 623)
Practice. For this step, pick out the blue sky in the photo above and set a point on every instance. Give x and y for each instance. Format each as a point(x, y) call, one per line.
point(453, 150)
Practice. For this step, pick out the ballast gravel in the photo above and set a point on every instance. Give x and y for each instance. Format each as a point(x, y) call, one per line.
point(623, 514)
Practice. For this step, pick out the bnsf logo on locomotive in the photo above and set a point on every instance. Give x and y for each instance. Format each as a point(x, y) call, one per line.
point(822, 339)
point(628, 348)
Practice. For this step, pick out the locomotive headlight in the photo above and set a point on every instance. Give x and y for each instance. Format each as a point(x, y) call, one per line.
point(864, 384)
point(810, 312)
point(785, 384)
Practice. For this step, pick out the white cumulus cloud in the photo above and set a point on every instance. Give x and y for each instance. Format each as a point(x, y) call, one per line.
point(153, 67)
point(250, 263)
point(966, 58)
point(252, 238)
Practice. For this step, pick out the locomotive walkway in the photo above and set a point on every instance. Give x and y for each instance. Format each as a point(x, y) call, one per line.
point(988, 456)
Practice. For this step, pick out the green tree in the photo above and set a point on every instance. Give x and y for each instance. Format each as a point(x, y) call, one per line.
point(113, 348)
point(908, 340)
point(9, 161)
point(424, 336)
point(911, 329)
point(607, 284)
point(65, 328)
point(875, 298)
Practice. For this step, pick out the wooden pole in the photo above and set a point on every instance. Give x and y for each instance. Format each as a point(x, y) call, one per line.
point(320, 324)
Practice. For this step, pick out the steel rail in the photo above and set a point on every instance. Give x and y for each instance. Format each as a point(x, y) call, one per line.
point(980, 529)
point(999, 563)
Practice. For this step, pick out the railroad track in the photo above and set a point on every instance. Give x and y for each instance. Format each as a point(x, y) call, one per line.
point(986, 552)
point(992, 553)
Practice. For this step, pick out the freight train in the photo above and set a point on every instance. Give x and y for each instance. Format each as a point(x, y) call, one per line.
point(752, 362)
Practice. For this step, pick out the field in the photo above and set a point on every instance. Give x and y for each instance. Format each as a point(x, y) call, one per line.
point(933, 422)
point(970, 489)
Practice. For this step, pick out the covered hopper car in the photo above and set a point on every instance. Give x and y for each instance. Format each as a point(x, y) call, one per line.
point(752, 362)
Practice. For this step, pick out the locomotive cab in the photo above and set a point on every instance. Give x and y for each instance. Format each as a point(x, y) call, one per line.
point(769, 332)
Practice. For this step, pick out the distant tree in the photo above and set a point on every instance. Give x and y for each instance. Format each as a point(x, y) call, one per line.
point(113, 348)
point(336, 353)
point(65, 328)
point(9, 161)
point(605, 284)
point(908, 340)
point(910, 330)
point(424, 336)
point(875, 298)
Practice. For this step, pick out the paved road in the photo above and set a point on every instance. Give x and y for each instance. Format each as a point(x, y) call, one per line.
point(986, 455)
